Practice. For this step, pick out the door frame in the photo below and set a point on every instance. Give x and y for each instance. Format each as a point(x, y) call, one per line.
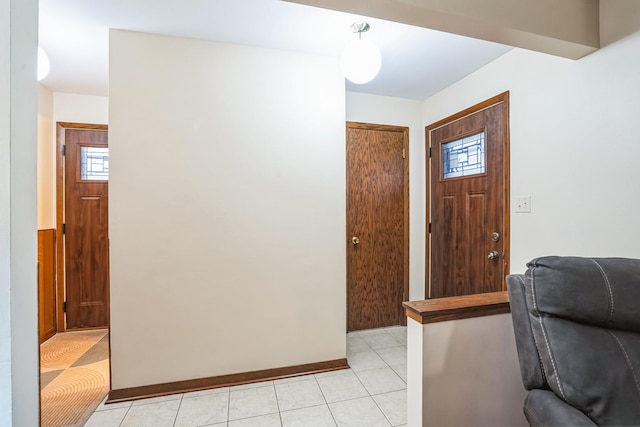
point(405, 207)
point(501, 98)
point(61, 128)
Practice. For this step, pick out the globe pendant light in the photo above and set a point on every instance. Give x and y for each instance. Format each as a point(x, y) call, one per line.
point(361, 59)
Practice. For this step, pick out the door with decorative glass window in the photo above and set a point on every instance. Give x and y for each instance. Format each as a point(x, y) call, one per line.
point(86, 229)
point(468, 251)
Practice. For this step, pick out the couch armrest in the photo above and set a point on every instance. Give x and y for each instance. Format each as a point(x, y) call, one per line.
point(530, 364)
point(544, 408)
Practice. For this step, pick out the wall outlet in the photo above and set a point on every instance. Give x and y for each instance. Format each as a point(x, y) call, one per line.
point(523, 204)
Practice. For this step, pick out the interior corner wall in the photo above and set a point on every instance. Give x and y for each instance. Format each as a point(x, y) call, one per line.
point(46, 160)
point(227, 209)
point(574, 147)
point(19, 376)
point(387, 110)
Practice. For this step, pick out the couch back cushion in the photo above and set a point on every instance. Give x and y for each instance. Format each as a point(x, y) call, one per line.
point(585, 317)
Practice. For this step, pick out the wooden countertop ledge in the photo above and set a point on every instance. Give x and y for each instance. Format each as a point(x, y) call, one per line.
point(454, 308)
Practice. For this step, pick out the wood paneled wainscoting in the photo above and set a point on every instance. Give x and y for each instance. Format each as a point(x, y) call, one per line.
point(47, 284)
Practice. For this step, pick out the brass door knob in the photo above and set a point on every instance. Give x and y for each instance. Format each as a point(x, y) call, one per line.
point(355, 240)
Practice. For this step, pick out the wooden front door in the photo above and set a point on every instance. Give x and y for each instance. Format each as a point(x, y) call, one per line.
point(86, 228)
point(468, 183)
point(377, 225)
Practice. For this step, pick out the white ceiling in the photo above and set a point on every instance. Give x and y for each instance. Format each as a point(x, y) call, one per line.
point(417, 62)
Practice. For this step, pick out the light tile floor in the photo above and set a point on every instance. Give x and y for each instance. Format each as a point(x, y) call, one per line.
point(372, 393)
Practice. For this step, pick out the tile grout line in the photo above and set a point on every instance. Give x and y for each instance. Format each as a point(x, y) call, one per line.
point(325, 401)
point(380, 409)
point(275, 393)
point(229, 420)
point(388, 366)
point(229, 407)
point(175, 418)
point(125, 415)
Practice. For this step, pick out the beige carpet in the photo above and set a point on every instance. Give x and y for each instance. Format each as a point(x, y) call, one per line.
point(74, 376)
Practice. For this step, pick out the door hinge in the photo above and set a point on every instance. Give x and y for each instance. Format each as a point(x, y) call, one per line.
point(64, 150)
point(429, 152)
point(404, 154)
point(64, 228)
point(64, 307)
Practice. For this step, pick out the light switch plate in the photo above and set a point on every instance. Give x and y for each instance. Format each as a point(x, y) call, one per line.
point(523, 204)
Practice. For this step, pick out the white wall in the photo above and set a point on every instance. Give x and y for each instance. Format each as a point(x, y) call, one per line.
point(5, 212)
point(227, 209)
point(19, 398)
point(402, 112)
point(574, 147)
point(75, 108)
point(54, 107)
point(46, 160)
point(415, 372)
point(470, 374)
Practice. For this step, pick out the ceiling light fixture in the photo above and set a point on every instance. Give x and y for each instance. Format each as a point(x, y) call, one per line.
point(361, 59)
point(43, 64)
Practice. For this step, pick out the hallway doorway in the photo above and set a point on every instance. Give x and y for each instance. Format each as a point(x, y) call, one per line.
point(74, 362)
point(74, 376)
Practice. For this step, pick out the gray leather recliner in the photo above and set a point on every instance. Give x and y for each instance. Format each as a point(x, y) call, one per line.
point(577, 330)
